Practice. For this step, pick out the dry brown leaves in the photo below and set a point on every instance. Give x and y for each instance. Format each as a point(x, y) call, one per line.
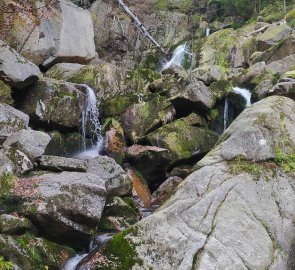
point(26, 187)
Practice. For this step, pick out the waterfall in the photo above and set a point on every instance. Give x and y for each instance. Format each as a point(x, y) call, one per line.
point(245, 93)
point(208, 32)
point(90, 118)
point(177, 56)
point(225, 113)
point(95, 243)
point(72, 263)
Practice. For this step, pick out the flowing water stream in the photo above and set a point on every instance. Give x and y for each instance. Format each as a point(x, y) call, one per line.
point(177, 57)
point(208, 32)
point(244, 93)
point(96, 243)
point(90, 120)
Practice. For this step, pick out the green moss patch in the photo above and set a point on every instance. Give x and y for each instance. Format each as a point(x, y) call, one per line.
point(120, 253)
point(5, 93)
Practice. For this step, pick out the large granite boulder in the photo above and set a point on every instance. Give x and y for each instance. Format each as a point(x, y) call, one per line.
point(236, 211)
point(14, 161)
point(14, 225)
point(11, 121)
point(15, 70)
point(183, 138)
point(69, 204)
point(277, 52)
point(195, 96)
point(116, 180)
point(272, 35)
point(56, 163)
point(30, 142)
point(142, 118)
point(30, 252)
point(55, 103)
point(65, 34)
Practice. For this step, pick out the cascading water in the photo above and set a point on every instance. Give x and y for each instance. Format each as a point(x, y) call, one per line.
point(90, 118)
point(95, 244)
point(177, 56)
point(208, 32)
point(225, 113)
point(245, 93)
point(73, 262)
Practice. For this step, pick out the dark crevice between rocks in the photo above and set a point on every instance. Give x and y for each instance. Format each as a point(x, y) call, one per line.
point(191, 161)
point(184, 107)
point(59, 233)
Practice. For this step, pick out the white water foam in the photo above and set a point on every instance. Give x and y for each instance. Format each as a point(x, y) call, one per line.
point(90, 118)
point(208, 32)
point(245, 93)
point(177, 56)
point(225, 113)
point(72, 263)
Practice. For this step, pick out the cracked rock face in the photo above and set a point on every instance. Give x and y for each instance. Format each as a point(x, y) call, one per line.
point(224, 215)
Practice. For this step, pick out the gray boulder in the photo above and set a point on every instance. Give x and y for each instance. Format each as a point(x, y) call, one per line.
point(30, 142)
point(277, 52)
point(66, 36)
point(10, 224)
point(55, 103)
point(273, 35)
point(281, 66)
point(116, 180)
point(236, 211)
point(11, 121)
point(69, 202)
point(12, 160)
point(17, 71)
point(56, 163)
point(195, 95)
point(141, 118)
point(286, 89)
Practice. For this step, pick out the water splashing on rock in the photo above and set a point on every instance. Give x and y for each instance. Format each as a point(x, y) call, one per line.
point(73, 262)
point(225, 113)
point(245, 93)
point(90, 123)
point(96, 243)
point(208, 32)
point(177, 57)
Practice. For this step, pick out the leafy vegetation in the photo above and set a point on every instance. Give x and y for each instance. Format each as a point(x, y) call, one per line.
point(285, 161)
point(5, 265)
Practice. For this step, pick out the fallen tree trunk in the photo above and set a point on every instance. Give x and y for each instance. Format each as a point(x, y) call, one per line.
point(140, 26)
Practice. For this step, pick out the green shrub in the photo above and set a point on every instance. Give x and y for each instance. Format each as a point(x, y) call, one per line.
point(5, 265)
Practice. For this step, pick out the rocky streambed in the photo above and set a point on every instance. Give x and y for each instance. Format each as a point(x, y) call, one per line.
point(107, 163)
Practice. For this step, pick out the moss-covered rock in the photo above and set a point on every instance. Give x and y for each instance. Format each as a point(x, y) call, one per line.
point(30, 252)
point(55, 103)
point(115, 106)
point(5, 93)
point(117, 254)
point(11, 121)
point(183, 139)
point(142, 118)
point(272, 35)
point(10, 224)
point(217, 48)
point(118, 214)
point(282, 49)
point(290, 18)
